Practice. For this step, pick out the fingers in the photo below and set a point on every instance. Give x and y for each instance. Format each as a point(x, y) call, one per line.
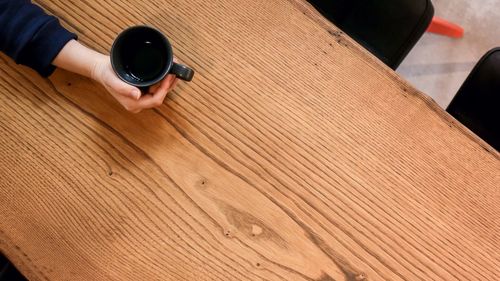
point(172, 86)
point(154, 88)
point(155, 98)
point(166, 84)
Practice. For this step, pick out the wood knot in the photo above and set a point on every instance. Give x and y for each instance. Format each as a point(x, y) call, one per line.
point(249, 226)
point(202, 183)
point(256, 230)
point(228, 234)
point(360, 277)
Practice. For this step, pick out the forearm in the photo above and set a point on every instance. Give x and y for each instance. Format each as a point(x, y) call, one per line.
point(77, 58)
point(30, 36)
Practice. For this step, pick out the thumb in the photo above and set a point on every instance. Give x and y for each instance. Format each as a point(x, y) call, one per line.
point(127, 90)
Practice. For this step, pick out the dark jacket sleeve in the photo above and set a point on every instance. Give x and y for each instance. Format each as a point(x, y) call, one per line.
point(30, 36)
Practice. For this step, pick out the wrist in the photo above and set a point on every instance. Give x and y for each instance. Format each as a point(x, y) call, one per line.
point(98, 66)
point(77, 58)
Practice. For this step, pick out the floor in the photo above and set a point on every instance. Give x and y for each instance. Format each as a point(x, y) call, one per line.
point(438, 65)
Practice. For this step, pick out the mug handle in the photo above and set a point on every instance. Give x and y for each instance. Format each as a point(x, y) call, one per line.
point(183, 72)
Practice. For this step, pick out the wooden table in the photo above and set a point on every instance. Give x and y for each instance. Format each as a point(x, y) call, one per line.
point(294, 155)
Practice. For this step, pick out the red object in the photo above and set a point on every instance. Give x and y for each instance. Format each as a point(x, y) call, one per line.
point(446, 28)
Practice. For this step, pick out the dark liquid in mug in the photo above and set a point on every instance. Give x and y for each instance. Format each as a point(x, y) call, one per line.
point(145, 60)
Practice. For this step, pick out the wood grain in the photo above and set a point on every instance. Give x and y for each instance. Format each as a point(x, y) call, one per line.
point(293, 155)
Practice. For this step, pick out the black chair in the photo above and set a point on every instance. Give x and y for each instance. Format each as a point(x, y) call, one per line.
point(387, 28)
point(8, 272)
point(477, 103)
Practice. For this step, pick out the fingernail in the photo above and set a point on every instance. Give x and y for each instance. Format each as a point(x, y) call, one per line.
point(136, 94)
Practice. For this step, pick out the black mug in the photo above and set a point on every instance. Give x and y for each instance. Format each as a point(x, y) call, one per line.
point(142, 56)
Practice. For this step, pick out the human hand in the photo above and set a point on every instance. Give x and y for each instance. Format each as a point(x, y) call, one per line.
point(127, 95)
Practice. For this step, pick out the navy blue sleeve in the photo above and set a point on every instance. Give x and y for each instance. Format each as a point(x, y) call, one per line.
point(30, 36)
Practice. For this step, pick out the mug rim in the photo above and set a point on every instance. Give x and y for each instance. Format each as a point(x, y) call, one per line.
point(165, 71)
